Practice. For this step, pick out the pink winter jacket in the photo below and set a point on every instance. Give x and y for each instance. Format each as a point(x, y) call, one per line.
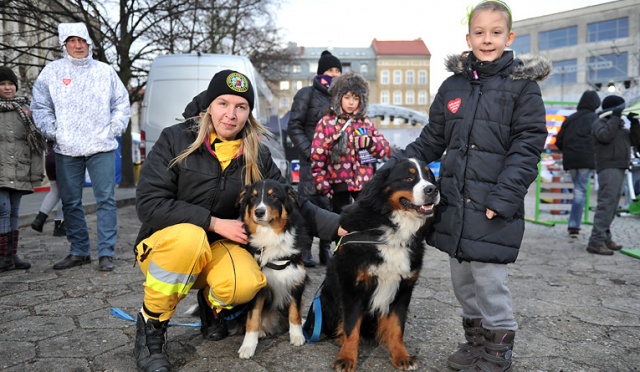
point(349, 169)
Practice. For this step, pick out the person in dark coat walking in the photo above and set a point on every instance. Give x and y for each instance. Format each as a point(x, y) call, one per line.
point(612, 146)
point(310, 104)
point(576, 143)
point(487, 124)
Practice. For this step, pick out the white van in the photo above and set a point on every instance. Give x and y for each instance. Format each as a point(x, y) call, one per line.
point(173, 81)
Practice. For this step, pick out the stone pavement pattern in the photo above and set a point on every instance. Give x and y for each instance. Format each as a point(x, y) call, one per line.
point(577, 312)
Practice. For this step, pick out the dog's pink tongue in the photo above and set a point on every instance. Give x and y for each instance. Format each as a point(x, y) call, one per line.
point(425, 208)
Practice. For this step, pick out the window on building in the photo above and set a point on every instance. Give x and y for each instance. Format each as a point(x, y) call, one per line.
point(607, 67)
point(285, 85)
point(397, 97)
point(608, 30)
point(384, 97)
point(521, 44)
point(559, 38)
point(564, 72)
point(422, 77)
point(409, 98)
point(298, 84)
point(422, 97)
point(313, 67)
point(384, 77)
point(346, 67)
point(410, 77)
point(397, 77)
point(364, 68)
point(296, 69)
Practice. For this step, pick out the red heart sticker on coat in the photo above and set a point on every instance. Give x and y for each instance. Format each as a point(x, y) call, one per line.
point(454, 105)
point(66, 81)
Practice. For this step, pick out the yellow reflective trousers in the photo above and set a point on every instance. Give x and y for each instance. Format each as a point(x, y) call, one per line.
point(179, 257)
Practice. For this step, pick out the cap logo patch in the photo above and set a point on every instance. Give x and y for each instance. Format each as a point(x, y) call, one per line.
point(237, 82)
point(66, 81)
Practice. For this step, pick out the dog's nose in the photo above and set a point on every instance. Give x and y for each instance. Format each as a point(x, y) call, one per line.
point(430, 190)
point(260, 212)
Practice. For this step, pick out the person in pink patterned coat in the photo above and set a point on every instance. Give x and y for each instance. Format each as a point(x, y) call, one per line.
point(346, 144)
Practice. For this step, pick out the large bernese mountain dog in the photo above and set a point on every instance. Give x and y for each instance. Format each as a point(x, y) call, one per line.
point(270, 213)
point(370, 278)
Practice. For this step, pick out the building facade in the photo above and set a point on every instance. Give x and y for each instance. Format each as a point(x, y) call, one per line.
point(397, 71)
point(595, 47)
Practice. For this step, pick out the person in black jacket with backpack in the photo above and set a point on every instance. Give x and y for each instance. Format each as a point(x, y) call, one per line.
point(310, 104)
point(576, 143)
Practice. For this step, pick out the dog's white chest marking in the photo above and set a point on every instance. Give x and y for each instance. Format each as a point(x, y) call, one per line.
point(396, 266)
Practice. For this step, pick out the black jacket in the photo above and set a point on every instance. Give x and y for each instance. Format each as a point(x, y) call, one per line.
point(310, 104)
point(613, 141)
point(574, 138)
point(493, 130)
point(197, 188)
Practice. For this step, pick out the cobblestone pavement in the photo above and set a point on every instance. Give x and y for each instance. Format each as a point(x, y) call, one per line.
point(576, 311)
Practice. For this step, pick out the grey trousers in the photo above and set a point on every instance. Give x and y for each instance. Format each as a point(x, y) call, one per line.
point(481, 289)
point(609, 192)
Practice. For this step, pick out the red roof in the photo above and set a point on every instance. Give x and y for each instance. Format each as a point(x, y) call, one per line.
point(400, 47)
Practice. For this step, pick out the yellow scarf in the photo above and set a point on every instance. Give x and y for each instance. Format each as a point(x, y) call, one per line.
point(225, 150)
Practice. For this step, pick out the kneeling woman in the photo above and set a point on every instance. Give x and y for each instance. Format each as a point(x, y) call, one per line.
point(186, 200)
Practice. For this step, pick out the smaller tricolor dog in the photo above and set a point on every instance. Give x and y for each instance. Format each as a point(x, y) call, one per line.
point(371, 277)
point(269, 210)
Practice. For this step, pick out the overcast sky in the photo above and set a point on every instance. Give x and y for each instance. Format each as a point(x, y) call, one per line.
point(360, 21)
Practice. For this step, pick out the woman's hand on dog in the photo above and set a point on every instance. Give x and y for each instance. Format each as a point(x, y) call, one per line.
point(230, 229)
point(341, 231)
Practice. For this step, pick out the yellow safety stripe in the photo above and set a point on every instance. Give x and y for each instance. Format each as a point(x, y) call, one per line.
point(169, 283)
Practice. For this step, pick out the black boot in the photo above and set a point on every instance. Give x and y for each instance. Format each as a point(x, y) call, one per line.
point(59, 229)
point(307, 258)
point(38, 223)
point(6, 258)
point(325, 251)
point(213, 326)
point(468, 353)
point(19, 263)
point(497, 353)
point(150, 349)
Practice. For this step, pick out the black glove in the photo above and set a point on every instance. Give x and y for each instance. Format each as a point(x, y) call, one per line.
point(617, 111)
point(632, 115)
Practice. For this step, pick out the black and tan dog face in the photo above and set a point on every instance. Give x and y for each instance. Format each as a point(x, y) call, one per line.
point(407, 186)
point(266, 202)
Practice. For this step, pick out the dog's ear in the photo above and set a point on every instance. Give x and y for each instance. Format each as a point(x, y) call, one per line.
point(373, 191)
point(242, 196)
point(292, 197)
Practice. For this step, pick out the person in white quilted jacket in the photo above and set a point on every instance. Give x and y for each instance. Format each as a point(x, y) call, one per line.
point(82, 105)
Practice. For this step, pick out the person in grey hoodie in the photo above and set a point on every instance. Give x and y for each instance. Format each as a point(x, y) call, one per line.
point(576, 143)
point(82, 105)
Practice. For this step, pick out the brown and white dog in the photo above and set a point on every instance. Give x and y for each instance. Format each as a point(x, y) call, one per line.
point(269, 210)
point(371, 277)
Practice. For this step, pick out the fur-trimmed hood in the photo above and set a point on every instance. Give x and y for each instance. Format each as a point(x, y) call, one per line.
point(349, 82)
point(525, 66)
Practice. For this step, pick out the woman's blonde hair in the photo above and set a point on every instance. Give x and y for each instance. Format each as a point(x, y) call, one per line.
point(250, 145)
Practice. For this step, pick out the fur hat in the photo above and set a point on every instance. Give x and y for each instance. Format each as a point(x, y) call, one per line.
point(7, 74)
point(229, 82)
point(610, 102)
point(349, 82)
point(328, 61)
point(67, 30)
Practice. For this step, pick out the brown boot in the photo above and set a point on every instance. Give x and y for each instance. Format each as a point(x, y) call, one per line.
point(612, 245)
point(468, 353)
point(599, 249)
point(19, 263)
point(497, 353)
point(6, 258)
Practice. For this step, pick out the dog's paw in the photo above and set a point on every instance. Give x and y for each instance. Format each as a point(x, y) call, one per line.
point(408, 363)
point(295, 335)
point(248, 348)
point(344, 365)
point(262, 333)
